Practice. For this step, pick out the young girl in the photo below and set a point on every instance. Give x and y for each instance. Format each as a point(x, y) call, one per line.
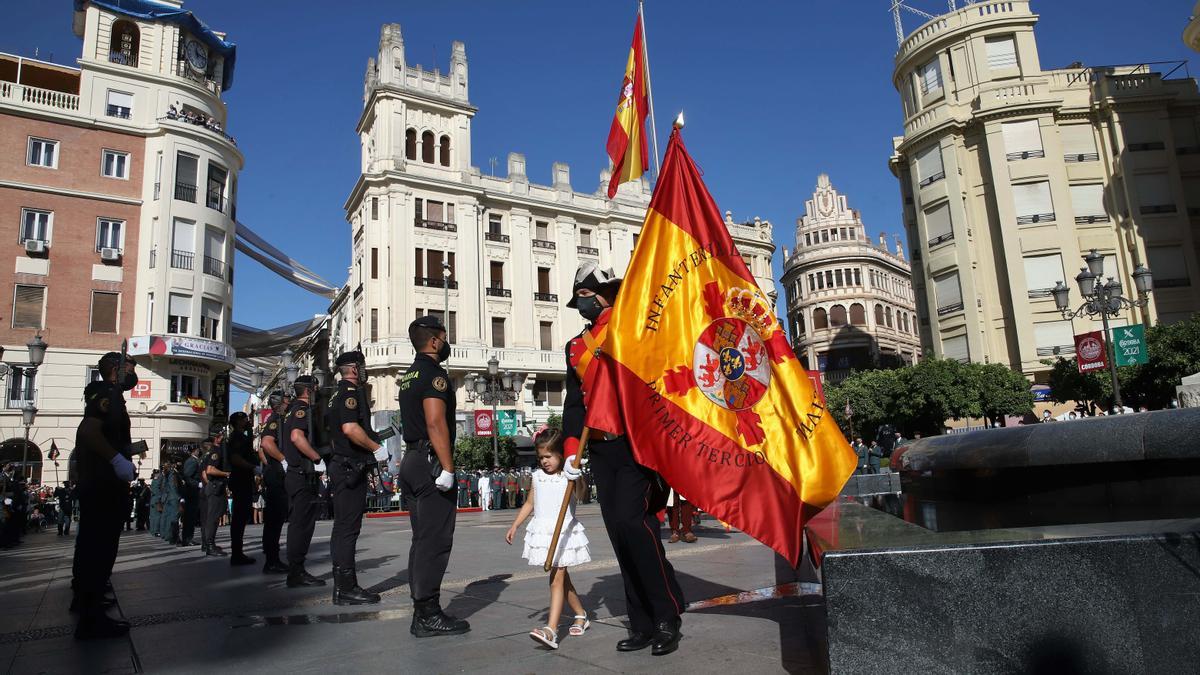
point(545, 499)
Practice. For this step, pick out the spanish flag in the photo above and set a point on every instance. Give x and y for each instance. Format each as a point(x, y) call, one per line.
point(627, 137)
point(709, 391)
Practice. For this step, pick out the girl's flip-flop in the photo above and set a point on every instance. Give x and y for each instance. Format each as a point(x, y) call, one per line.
point(577, 629)
point(546, 636)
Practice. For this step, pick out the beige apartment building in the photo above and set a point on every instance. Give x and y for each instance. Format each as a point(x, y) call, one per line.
point(850, 302)
point(493, 255)
point(1010, 173)
point(117, 190)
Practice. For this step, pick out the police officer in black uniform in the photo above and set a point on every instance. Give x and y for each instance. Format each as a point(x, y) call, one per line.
point(190, 494)
point(630, 494)
point(242, 461)
point(304, 463)
point(427, 480)
point(275, 501)
point(356, 452)
point(216, 472)
point(104, 470)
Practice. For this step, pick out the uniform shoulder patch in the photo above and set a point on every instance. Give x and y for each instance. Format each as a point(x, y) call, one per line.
point(104, 404)
point(273, 425)
point(439, 383)
point(300, 414)
point(351, 402)
point(213, 457)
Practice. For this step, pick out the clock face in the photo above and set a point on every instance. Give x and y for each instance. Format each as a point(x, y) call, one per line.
point(197, 55)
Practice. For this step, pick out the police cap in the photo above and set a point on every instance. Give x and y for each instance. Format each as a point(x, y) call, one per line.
point(112, 360)
point(427, 321)
point(350, 358)
point(306, 381)
point(276, 397)
point(238, 415)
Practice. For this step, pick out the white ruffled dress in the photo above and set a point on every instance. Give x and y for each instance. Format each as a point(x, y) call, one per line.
point(572, 550)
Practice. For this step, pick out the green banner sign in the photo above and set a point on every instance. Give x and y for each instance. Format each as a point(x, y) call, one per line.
point(506, 422)
point(1129, 345)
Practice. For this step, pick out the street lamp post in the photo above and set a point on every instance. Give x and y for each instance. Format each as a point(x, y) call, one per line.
point(1104, 299)
point(493, 388)
point(446, 293)
point(37, 355)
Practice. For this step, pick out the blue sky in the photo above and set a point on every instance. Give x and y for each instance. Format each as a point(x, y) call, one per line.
point(774, 93)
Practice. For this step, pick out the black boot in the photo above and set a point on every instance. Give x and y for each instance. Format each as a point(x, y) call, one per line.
point(666, 637)
point(346, 590)
point(636, 640)
point(429, 621)
point(298, 576)
point(275, 566)
point(94, 624)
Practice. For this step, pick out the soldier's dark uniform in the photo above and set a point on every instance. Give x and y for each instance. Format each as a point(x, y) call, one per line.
point(242, 460)
point(301, 484)
point(190, 493)
point(348, 469)
point(432, 512)
point(275, 500)
point(628, 493)
point(214, 499)
point(102, 508)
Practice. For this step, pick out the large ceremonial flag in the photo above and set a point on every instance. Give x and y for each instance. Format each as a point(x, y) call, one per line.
point(706, 385)
point(627, 136)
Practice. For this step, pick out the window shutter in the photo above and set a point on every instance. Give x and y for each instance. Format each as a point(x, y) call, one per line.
point(1139, 131)
point(1042, 273)
point(956, 348)
point(1001, 53)
point(1032, 202)
point(185, 237)
point(27, 306)
point(929, 165)
point(180, 305)
point(931, 77)
point(104, 312)
point(1052, 335)
point(937, 224)
point(1169, 266)
point(1022, 140)
point(120, 99)
point(1088, 202)
point(1079, 143)
point(1153, 192)
point(214, 243)
point(948, 293)
point(1184, 131)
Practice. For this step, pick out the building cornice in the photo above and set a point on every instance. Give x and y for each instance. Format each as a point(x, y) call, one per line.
point(68, 192)
point(388, 91)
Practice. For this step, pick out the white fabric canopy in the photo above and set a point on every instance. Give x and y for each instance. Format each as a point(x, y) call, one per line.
point(282, 264)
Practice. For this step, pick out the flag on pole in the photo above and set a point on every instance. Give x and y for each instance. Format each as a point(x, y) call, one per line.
point(53, 454)
point(706, 385)
point(627, 137)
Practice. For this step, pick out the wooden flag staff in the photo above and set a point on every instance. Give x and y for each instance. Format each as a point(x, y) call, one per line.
point(566, 503)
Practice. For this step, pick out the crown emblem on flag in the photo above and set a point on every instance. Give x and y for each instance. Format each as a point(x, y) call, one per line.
point(751, 307)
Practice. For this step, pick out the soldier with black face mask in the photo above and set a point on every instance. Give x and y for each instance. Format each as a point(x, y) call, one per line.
point(270, 455)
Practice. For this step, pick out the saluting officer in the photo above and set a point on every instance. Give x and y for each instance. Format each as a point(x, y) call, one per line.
point(215, 471)
point(427, 475)
point(275, 499)
point(242, 460)
point(356, 451)
point(626, 489)
point(303, 464)
point(104, 469)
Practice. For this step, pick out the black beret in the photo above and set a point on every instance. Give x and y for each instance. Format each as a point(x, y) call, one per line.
point(428, 321)
point(350, 358)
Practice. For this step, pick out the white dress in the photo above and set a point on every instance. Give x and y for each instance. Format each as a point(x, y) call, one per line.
point(572, 542)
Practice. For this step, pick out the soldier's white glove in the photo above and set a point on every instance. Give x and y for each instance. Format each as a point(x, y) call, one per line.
point(123, 467)
point(444, 481)
point(284, 463)
point(382, 455)
point(571, 467)
point(319, 467)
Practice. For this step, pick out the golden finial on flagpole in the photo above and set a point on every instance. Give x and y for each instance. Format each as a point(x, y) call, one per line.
point(679, 121)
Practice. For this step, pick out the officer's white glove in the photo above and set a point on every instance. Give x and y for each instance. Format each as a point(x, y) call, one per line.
point(445, 480)
point(319, 467)
point(571, 468)
point(123, 467)
point(284, 463)
point(382, 455)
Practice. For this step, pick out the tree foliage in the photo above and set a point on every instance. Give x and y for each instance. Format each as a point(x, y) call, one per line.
point(922, 397)
point(475, 452)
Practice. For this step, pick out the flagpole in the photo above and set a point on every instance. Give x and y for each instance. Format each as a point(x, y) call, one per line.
point(649, 89)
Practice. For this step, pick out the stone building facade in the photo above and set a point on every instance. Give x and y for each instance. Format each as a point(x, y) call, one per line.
point(1010, 173)
point(850, 302)
point(494, 256)
point(118, 186)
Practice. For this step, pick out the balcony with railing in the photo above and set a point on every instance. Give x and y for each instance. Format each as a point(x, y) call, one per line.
point(182, 69)
point(157, 190)
point(1034, 218)
point(496, 237)
point(942, 238)
point(498, 292)
point(436, 225)
point(588, 250)
point(1094, 218)
point(1154, 209)
point(118, 111)
point(37, 97)
point(545, 297)
point(185, 192)
point(183, 260)
point(214, 266)
point(215, 200)
point(435, 282)
point(123, 59)
point(543, 244)
point(153, 257)
point(950, 309)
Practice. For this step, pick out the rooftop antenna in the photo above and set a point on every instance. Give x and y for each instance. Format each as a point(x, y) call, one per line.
point(492, 161)
point(897, 5)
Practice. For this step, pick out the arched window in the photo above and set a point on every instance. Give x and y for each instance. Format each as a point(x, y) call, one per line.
point(888, 316)
point(427, 147)
point(445, 151)
point(800, 326)
point(123, 46)
point(410, 144)
point(878, 315)
point(837, 316)
point(858, 315)
point(904, 321)
point(820, 319)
